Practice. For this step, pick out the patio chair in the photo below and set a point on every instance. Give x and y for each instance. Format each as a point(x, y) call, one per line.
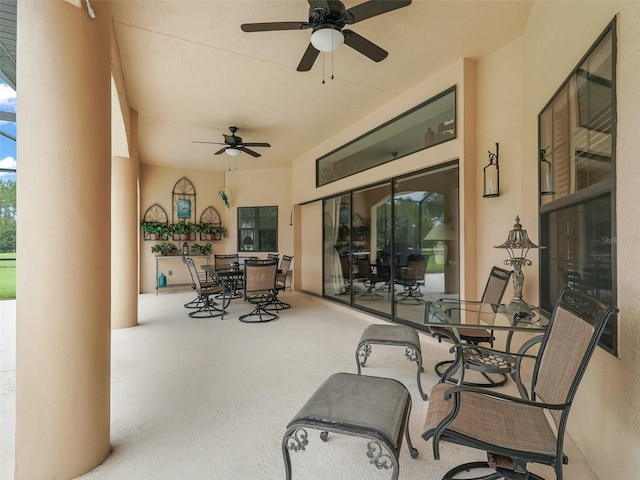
point(204, 281)
point(368, 274)
point(345, 267)
point(281, 284)
point(259, 289)
point(205, 291)
point(493, 293)
point(225, 262)
point(516, 431)
point(411, 278)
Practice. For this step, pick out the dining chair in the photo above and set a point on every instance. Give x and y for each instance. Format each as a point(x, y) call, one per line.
point(207, 306)
point(259, 289)
point(225, 261)
point(204, 281)
point(411, 278)
point(493, 292)
point(369, 277)
point(281, 284)
point(518, 430)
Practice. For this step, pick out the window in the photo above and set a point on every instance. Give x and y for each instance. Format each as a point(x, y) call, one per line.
point(257, 229)
point(424, 126)
point(8, 182)
point(577, 133)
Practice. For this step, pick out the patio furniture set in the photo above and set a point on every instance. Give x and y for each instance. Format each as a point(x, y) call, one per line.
point(514, 431)
point(257, 281)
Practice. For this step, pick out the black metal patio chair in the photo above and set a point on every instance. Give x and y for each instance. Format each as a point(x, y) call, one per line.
point(516, 431)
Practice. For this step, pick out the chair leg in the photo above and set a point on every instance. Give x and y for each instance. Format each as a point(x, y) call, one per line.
point(276, 304)
point(195, 303)
point(259, 311)
point(208, 309)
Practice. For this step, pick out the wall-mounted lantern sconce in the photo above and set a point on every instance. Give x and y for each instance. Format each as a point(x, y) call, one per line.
point(546, 174)
point(491, 176)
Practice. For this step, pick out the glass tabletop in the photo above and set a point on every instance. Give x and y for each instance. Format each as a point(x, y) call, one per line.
point(455, 313)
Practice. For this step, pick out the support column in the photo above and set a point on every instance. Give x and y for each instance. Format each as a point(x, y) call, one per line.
point(64, 239)
point(124, 242)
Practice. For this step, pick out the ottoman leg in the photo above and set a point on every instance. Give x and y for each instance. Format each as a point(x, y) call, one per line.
point(414, 355)
point(363, 351)
point(294, 439)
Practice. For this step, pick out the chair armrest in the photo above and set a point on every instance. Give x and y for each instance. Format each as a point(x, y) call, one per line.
point(458, 389)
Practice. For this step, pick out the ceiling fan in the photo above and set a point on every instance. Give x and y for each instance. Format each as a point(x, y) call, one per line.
point(327, 19)
point(233, 145)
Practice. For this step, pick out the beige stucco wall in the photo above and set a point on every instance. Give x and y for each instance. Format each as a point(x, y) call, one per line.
point(249, 188)
point(604, 421)
point(512, 86)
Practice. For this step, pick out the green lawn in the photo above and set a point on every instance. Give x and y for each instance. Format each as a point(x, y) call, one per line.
point(7, 275)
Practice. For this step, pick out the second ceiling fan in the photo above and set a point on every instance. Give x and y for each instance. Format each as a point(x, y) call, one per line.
point(233, 145)
point(327, 19)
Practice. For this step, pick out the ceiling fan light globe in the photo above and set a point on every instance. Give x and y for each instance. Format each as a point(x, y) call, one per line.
point(233, 152)
point(327, 39)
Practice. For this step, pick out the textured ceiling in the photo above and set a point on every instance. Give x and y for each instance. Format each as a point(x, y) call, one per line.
point(190, 71)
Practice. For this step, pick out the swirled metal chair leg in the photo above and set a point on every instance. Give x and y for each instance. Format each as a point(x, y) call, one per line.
point(363, 352)
point(295, 439)
point(381, 459)
point(414, 355)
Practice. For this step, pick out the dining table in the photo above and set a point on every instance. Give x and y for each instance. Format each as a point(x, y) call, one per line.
point(451, 313)
point(230, 279)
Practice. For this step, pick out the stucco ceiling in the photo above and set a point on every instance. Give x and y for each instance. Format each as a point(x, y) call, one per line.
point(190, 72)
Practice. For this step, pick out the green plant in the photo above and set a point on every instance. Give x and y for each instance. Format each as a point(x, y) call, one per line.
point(205, 227)
point(164, 248)
point(205, 249)
point(221, 230)
point(360, 233)
point(183, 228)
point(155, 228)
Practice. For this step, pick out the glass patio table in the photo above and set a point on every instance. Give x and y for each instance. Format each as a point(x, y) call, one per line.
point(451, 314)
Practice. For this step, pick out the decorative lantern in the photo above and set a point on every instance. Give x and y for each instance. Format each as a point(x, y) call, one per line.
point(491, 176)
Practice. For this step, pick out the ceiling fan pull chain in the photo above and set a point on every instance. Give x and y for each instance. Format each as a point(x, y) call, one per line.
point(331, 65)
point(323, 68)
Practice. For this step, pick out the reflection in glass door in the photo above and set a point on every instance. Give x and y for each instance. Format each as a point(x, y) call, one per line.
point(388, 250)
point(425, 249)
point(372, 279)
point(337, 260)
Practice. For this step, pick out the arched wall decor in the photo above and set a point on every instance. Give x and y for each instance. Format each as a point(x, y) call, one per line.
point(156, 217)
point(184, 205)
point(210, 223)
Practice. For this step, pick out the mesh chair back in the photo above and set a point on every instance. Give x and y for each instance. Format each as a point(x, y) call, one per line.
point(260, 277)
point(363, 267)
point(416, 267)
point(193, 273)
point(271, 256)
point(224, 262)
point(345, 266)
point(575, 327)
point(496, 285)
point(285, 266)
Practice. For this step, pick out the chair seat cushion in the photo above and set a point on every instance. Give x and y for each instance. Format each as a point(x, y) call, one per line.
point(492, 421)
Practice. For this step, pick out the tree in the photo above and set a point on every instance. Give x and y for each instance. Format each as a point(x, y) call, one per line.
point(8, 216)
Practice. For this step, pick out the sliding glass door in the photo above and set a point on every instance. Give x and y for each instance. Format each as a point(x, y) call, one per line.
point(425, 246)
point(392, 246)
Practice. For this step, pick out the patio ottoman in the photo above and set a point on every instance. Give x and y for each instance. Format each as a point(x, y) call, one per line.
point(358, 405)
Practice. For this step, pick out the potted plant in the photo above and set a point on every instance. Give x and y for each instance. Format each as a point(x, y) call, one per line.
point(164, 248)
point(205, 249)
point(155, 230)
point(360, 233)
point(208, 230)
point(183, 229)
point(221, 230)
